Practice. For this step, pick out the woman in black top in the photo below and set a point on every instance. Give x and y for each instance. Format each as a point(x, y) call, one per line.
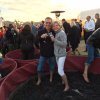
point(26, 42)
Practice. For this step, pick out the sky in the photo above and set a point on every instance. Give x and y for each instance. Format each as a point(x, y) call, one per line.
point(37, 10)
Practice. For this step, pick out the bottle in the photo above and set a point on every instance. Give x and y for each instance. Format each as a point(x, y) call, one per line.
point(1, 58)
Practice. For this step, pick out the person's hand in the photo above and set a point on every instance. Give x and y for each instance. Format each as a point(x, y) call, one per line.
point(52, 38)
point(44, 35)
point(86, 30)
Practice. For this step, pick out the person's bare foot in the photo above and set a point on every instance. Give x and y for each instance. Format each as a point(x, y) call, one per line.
point(38, 82)
point(66, 88)
point(86, 78)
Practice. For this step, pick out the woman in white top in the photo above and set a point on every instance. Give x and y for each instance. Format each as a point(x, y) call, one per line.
point(60, 43)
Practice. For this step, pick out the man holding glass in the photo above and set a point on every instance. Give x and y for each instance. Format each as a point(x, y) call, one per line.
point(46, 49)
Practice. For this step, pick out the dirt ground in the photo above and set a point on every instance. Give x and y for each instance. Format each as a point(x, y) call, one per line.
point(79, 89)
point(82, 48)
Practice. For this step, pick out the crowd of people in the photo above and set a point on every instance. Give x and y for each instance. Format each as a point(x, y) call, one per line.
point(52, 39)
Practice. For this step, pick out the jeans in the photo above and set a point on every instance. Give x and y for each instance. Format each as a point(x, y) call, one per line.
point(51, 61)
point(92, 53)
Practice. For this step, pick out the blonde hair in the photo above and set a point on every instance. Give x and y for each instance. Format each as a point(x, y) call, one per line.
point(56, 22)
point(73, 24)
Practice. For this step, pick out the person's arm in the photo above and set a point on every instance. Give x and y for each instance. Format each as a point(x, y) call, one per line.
point(36, 42)
point(41, 36)
point(85, 26)
point(95, 37)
